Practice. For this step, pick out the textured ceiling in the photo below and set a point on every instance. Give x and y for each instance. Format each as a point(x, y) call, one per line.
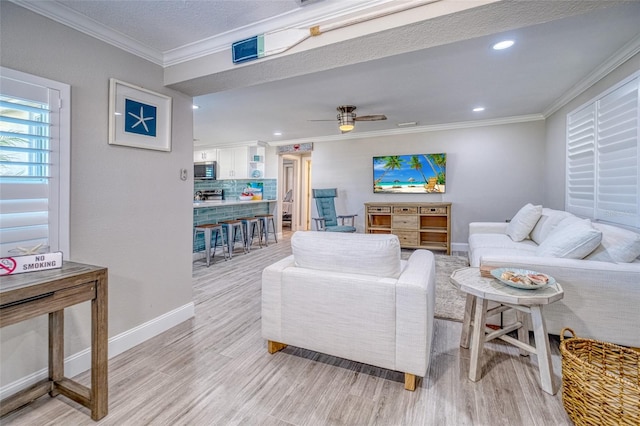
point(166, 25)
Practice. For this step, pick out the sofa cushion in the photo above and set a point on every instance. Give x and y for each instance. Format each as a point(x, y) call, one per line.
point(475, 256)
point(548, 221)
point(523, 222)
point(617, 245)
point(369, 254)
point(498, 241)
point(572, 239)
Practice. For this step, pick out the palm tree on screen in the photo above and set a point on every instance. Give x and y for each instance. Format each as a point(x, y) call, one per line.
point(417, 165)
point(390, 163)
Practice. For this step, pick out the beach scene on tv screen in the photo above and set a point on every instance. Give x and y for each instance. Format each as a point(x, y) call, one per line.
point(409, 174)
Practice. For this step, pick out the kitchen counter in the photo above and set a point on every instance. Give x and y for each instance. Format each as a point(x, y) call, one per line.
point(216, 211)
point(215, 203)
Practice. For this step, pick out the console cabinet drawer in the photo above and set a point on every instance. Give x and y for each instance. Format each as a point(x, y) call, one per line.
point(405, 210)
point(433, 210)
point(379, 209)
point(405, 222)
point(406, 238)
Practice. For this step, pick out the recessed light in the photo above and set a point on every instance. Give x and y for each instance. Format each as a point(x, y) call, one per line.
point(195, 106)
point(505, 44)
point(478, 109)
point(277, 133)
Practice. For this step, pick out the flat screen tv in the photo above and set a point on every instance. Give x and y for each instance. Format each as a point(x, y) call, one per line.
point(410, 174)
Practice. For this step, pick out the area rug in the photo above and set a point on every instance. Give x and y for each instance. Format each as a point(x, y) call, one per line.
point(449, 300)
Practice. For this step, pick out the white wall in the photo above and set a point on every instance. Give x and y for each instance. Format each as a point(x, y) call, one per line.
point(492, 171)
point(556, 132)
point(130, 211)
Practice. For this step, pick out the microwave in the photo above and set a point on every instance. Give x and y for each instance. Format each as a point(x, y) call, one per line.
point(204, 170)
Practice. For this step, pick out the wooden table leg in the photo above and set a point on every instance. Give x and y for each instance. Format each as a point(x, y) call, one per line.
point(466, 322)
point(99, 350)
point(523, 331)
point(477, 339)
point(56, 348)
point(542, 350)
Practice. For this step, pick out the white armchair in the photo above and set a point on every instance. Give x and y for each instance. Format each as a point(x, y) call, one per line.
point(350, 296)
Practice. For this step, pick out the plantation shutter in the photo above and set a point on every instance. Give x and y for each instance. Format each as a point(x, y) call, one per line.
point(618, 172)
point(603, 156)
point(30, 163)
point(581, 161)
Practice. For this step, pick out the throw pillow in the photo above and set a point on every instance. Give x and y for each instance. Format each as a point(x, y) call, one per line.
point(547, 223)
point(618, 244)
point(523, 222)
point(573, 241)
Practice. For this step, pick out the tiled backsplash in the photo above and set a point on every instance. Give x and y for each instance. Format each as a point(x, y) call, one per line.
point(233, 187)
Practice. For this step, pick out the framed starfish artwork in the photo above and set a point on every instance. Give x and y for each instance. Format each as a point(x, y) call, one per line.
point(138, 117)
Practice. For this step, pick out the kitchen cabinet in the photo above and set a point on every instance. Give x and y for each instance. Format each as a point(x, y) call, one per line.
point(417, 225)
point(243, 162)
point(205, 155)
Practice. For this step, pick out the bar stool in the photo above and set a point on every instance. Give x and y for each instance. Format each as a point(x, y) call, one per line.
point(232, 227)
point(252, 228)
point(265, 220)
point(209, 230)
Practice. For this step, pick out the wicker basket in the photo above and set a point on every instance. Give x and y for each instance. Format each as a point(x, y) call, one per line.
point(600, 382)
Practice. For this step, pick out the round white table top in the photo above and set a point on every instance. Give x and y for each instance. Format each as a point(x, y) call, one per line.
point(470, 281)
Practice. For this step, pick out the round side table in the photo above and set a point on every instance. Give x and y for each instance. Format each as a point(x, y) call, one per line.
point(480, 291)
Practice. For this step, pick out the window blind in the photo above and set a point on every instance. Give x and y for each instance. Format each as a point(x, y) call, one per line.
point(581, 161)
point(617, 168)
point(603, 156)
point(29, 164)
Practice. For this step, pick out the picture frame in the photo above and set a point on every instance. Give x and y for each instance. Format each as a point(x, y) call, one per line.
point(138, 117)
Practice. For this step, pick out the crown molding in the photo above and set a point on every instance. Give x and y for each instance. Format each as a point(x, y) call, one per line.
point(418, 129)
point(621, 56)
point(299, 18)
point(82, 23)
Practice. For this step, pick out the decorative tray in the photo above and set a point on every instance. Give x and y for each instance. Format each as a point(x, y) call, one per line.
point(522, 278)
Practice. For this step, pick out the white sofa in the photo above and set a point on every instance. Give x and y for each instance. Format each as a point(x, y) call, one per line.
point(351, 296)
point(601, 288)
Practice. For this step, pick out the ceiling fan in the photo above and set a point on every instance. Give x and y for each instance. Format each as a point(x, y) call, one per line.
point(347, 118)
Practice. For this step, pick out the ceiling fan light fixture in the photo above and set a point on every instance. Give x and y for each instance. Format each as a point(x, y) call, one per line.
point(346, 122)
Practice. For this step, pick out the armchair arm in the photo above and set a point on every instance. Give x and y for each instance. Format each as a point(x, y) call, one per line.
point(272, 298)
point(350, 217)
point(415, 305)
point(320, 223)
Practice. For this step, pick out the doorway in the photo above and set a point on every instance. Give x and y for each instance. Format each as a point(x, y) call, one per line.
point(295, 192)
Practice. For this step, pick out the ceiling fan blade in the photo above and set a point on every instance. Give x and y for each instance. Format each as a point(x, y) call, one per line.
point(333, 119)
point(375, 117)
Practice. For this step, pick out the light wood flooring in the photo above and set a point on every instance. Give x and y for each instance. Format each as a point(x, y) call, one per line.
point(215, 370)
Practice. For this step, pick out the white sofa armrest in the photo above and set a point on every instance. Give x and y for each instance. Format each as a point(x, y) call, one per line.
point(415, 304)
point(488, 228)
point(272, 299)
point(601, 299)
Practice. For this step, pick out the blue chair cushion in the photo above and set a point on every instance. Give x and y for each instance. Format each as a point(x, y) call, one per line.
point(341, 228)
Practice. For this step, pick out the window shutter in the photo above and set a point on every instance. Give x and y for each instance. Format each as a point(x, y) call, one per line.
point(581, 164)
point(29, 153)
point(617, 168)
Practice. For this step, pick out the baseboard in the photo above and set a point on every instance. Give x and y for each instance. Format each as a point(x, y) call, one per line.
point(460, 247)
point(81, 361)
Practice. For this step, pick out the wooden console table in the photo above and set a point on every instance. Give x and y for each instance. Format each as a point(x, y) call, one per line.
point(28, 295)
point(417, 225)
